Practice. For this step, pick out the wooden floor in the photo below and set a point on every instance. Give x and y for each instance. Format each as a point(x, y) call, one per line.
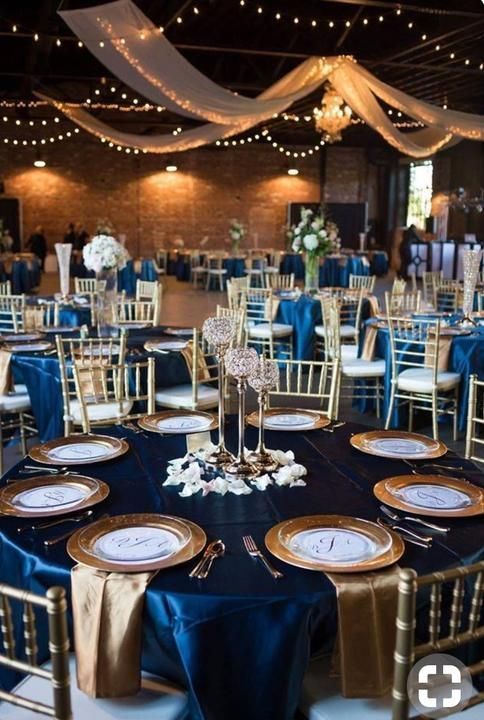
point(183, 305)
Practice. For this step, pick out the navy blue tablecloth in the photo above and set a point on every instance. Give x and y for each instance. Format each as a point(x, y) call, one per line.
point(239, 642)
point(379, 263)
point(41, 375)
point(24, 275)
point(466, 357)
point(293, 263)
point(336, 271)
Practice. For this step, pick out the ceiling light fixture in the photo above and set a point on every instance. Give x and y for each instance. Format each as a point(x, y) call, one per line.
point(293, 171)
point(333, 117)
point(171, 168)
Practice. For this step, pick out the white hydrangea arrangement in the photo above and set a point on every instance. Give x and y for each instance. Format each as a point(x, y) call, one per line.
point(313, 234)
point(104, 253)
point(236, 233)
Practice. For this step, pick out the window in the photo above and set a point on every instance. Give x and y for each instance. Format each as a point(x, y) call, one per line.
point(419, 193)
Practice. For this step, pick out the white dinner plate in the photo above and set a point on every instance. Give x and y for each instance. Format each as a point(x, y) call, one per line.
point(50, 497)
point(137, 544)
point(334, 545)
point(291, 421)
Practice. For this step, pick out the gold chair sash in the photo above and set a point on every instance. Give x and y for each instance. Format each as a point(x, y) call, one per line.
point(107, 610)
point(203, 372)
point(6, 380)
point(367, 608)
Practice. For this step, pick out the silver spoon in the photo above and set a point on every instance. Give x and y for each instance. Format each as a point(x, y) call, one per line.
point(409, 518)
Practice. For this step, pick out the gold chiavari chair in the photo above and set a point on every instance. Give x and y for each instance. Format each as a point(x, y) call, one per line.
point(151, 291)
point(216, 271)
point(363, 282)
point(255, 270)
point(201, 392)
point(261, 331)
point(6, 288)
point(54, 605)
point(430, 281)
point(134, 311)
point(273, 266)
point(360, 377)
point(424, 383)
point(15, 414)
point(88, 352)
point(238, 316)
point(12, 314)
point(236, 292)
point(475, 419)
point(51, 689)
point(448, 295)
point(310, 380)
point(399, 285)
point(448, 629)
point(404, 303)
point(198, 268)
point(350, 306)
point(279, 282)
point(86, 286)
point(111, 393)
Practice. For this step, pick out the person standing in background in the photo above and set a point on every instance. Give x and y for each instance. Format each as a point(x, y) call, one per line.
point(82, 236)
point(7, 241)
point(70, 236)
point(38, 245)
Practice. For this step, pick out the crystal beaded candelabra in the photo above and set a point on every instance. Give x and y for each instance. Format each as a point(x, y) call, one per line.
point(241, 363)
point(471, 260)
point(264, 377)
point(219, 332)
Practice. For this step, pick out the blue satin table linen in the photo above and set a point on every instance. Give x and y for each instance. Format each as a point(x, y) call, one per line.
point(293, 263)
point(379, 263)
point(238, 641)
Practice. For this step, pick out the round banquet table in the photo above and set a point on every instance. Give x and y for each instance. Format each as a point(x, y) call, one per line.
point(41, 374)
point(238, 641)
point(466, 357)
point(293, 263)
point(23, 274)
point(336, 270)
point(379, 263)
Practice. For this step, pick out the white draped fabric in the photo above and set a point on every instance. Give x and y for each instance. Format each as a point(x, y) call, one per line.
point(128, 43)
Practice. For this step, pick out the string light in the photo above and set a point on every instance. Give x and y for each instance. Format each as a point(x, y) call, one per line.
point(41, 141)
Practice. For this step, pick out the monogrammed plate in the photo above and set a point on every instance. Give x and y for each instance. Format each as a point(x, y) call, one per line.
point(431, 495)
point(334, 543)
point(51, 495)
point(79, 450)
point(131, 543)
point(165, 345)
point(398, 444)
point(178, 422)
point(289, 419)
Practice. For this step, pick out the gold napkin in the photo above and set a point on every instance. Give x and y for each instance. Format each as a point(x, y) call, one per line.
point(369, 342)
point(107, 610)
point(34, 318)
point(6, 380)
point(445, 342)
point(374, 305)
point(367, 608)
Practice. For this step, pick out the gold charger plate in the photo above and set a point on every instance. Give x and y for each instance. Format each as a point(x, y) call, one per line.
point(389, 546)
point(151, 422)
point(34, 346)
point(98, 491)
point(81, 545)
point(397, 444)
point(44, 453)
point(320, 420)
point(388, 491)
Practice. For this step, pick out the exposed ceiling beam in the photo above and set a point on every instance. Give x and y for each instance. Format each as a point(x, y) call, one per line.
point(404, 6)
point(348, 29)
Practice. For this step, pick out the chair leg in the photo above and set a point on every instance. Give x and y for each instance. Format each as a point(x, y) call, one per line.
point(410, 416)
point(455, 418)
point(377, 393)
point(23, 443)
point(390, 408)
point(435, 416)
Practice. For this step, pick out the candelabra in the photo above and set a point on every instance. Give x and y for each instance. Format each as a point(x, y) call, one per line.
point(241, 363)
point(219, 332)
point(264, 377)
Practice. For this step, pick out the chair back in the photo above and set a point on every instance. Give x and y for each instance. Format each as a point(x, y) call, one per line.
point(404, 303)
point(448, 295)
point(237, 315)
point(414, 344)
point(84, 351)
point(363, 282)
point(215, 262)
point(309, 379)
point(430, 281)
point(83, 286)
point(258, 310)
point(53, 604)
point(42, 316)
point(236, 292)
point(276, 281)
point(12, 313)
point(146, 289)
point(202, 364)
point(448, 629)
point(6, 288)
point(399, 285)
point(475, 420)
point(128, 311)
point(257, 262)
point(275, 257)
point(161, 257)
point(121, 384)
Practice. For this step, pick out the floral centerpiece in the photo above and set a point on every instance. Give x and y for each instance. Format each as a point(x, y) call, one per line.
point(237, 234)
point(316, 237)
point(105, 256)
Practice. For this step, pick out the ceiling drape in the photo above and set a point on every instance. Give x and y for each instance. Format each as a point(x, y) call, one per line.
point(137, 53)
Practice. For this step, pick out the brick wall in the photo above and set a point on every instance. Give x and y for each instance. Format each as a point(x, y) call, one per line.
point(346, 175)
point(85, 181)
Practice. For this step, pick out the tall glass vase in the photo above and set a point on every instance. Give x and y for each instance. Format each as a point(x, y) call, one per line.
point(63, 252)
point(471, 260)
point(311, 279)
point(107, 292)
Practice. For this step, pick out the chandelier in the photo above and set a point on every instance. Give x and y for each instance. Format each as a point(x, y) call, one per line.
point(333, 116)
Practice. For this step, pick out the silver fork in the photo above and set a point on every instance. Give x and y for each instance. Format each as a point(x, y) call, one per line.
point(334, 426)
point(253, 550)
point(52, 523)
point(65, 536)
point(408, 518)
point(433, 465)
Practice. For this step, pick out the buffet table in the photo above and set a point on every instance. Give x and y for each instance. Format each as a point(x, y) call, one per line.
point(238, 641)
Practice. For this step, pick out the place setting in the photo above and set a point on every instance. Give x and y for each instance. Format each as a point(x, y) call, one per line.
point(79, 450)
